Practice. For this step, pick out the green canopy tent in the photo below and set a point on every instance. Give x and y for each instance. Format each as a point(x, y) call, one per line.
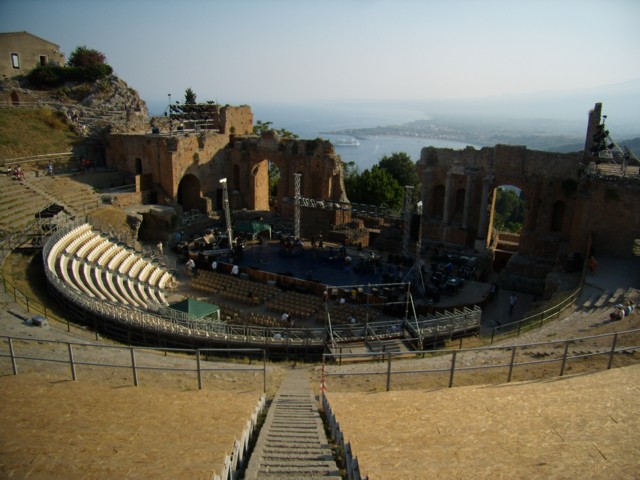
point(197, 310)
point(253, 227)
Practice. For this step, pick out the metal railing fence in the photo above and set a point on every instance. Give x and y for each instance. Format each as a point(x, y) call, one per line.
point(128, 357)
point(604, 346)
point(537, 320)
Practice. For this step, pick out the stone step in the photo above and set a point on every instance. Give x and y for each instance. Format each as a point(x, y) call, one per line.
point(292, 442)
point(602, 300)
point(618, 296)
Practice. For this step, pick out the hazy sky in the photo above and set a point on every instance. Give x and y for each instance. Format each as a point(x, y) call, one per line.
point(243, 51)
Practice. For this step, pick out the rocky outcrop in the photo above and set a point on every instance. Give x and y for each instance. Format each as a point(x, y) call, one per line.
point(92, 109)
point(110, 106)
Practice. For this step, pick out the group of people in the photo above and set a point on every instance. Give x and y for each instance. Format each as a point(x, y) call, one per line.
point(622, 310)
point(85, 164)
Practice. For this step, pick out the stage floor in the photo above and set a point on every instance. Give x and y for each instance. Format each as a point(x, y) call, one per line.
point(322, 265)
point(327, 267)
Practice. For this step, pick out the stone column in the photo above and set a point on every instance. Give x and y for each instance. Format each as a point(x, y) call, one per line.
point(467, 200)
point(447, 199)
point(426, 191)
point(487, 181)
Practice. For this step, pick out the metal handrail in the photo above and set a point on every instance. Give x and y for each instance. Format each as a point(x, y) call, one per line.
point(336, 358)
point(132, 361)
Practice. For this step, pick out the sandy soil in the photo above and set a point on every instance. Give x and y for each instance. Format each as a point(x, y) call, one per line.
point(578, 427)
point(101, 426)
point(64, 429)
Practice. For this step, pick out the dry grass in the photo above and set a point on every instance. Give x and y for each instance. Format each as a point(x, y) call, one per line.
point(112, 216)
point(25, 132)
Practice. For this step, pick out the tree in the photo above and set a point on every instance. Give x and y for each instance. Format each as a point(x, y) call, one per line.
point(274, 179)
point(86, 57)
point(260, 127)
point(509, 210)
point(351, 175)
point(400, 167)
point(376, 187)
point(189, 97)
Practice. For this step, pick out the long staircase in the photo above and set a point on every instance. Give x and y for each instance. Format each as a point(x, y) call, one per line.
point(292, 442)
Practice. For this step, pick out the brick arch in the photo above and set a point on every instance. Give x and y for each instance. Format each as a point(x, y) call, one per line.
point(189, 192)
point(314, 160)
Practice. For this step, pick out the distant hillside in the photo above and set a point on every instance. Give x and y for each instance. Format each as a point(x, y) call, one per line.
point(33, 132)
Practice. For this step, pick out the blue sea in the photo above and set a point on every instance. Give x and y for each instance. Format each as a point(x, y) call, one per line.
point(315, 120)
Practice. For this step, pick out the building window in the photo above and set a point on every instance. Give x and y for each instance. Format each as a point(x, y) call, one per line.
point(15, 60)
point(43, 60)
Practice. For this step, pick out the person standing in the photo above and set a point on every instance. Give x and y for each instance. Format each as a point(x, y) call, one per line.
point(513, 301)
point(214, 265)
point(190, 266)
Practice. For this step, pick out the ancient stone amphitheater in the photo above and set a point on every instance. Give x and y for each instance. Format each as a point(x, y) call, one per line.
point(582, 425)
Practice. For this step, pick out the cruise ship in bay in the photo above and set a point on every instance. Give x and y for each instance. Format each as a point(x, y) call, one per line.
point(346, 142)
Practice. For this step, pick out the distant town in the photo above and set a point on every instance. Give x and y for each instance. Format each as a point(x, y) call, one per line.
point(545, 135)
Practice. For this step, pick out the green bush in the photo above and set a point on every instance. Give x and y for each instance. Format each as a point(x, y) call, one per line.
point(53, 76)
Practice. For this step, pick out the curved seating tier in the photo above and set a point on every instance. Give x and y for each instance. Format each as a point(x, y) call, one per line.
point(234, 289)
point(296, 304)
point(341, 314)
point(97, 266)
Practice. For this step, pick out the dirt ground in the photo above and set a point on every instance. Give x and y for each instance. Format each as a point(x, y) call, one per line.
point(584, 426)
point(60, 429)
point(102, 426)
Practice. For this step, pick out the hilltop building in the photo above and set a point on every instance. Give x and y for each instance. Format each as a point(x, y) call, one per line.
point(21, 52)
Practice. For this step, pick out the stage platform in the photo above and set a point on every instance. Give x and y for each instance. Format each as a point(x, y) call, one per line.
point(329, 266)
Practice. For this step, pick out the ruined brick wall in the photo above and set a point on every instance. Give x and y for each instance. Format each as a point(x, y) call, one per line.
point(236, 120)
point(198, 160)
point(455, 181)
point(169, 158)
point(316, 161)
point(613, 215)
point(562, 206)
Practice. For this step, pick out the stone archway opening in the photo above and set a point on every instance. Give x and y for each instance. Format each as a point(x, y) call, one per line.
point(507, 222)
point(274, 182)
point(189, 193)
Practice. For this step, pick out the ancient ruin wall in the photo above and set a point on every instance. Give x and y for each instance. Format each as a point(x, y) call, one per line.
point(563, 206)
point(613, 215)
point(166, 161)
point(316, 161)
point(236, 120)
point(458, 186)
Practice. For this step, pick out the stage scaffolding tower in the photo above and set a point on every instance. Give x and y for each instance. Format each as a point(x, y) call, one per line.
point(227, 211)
